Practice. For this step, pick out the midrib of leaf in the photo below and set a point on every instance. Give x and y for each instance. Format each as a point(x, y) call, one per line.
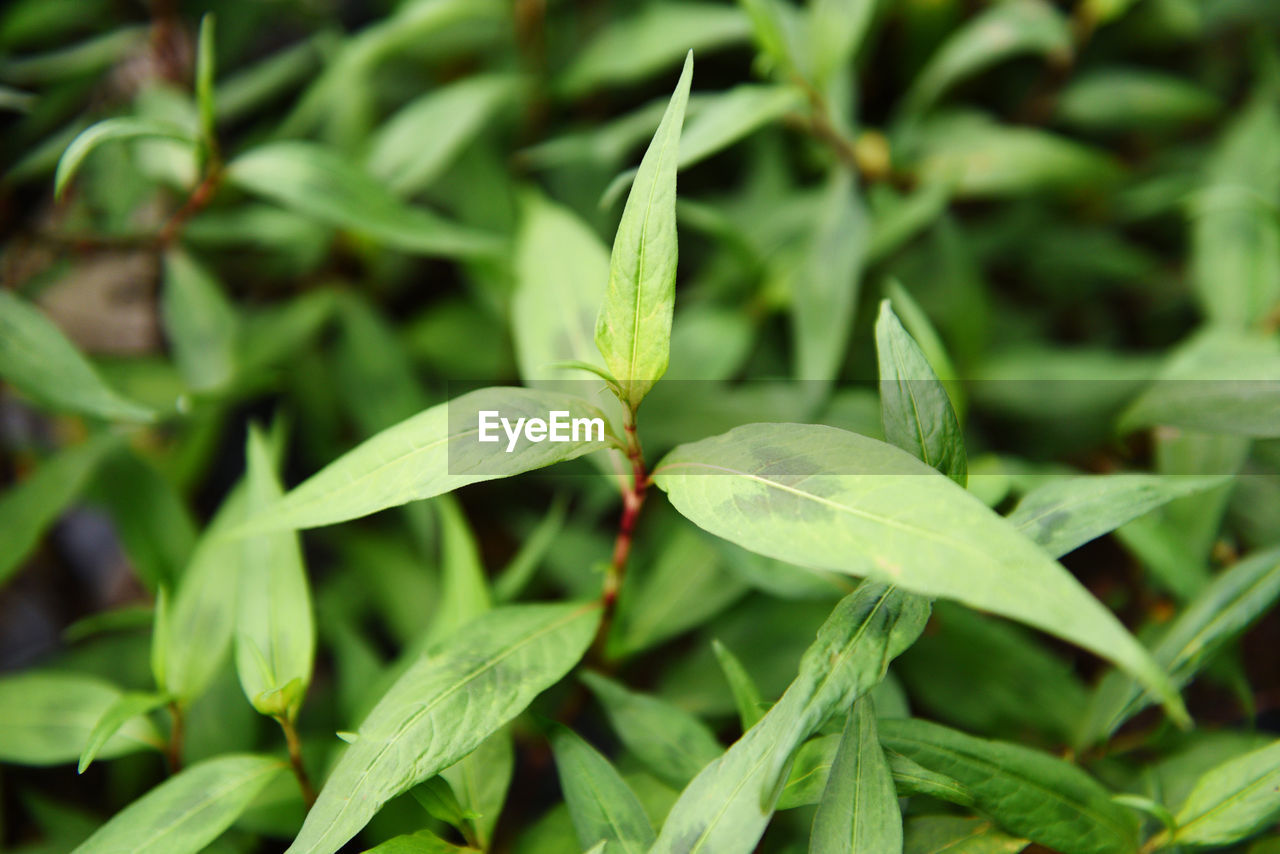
point(915, 406)
point(639, 278)
point(818, 689)
point(956, 843)
point(995, 771)
point(215, 795)
point(1221, 805)
point(458, 686)
point(608, 814)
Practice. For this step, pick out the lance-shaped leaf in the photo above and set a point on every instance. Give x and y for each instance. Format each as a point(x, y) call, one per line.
point(807, 782)
point(30, 507)
point(46, 718)
point(673, 744)
point(1066, 513)
point(633, 329)
point(480, 782)
point(435, 451)
point(728, 805)
point(275, 632)
point(442, 708)
point(319, 183)
point(600, 802)
point(828, 499)
point(422, 842)
point(914, 406)
point(41, 363)
point(1027, 792)
point(955, 834)
point(1232, 801)
point(107, 131)
point(200, 323)
point(127, 708)
point(746, 696)
point(464, 590)
point(188, 811)
point(859, 809)
point(1225, 608)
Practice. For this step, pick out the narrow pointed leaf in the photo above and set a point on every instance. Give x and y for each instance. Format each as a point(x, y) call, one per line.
point(633, 329)
point(728, 805)
point(109, 130)
point(954, 834)
point(442, 708)
point(859, 809)
point(188, 811)
point(200, 323)
point(1234, 800)
point(464, 590)
point(40, 362)
point(480, 781)
point(746, 696)
point(118, 714)
point(601, 804)
point(827, 499)
point(422, 842)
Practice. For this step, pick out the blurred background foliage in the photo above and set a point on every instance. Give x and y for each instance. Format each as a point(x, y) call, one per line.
point(378, 204)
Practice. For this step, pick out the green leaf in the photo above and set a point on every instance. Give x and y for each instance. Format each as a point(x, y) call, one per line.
point(746, 696)
point(1002, 31)
point(200, 323)
point(120, 713)
point(464, 589)
point(954, 834)
point(1217, 382)
point(1234, 800)
point(728, 805)
point(633, 329)
point(111, 130)
point(632, 49)
point(520, 569)
point(827, 499)
point(1133, 99)
point(417, 143)
point(206, 66)
point(188, 811)
point(673, 744)
point(1027, 792)
point(825, 286)
point(836, 30)
point(1224, 609)
point(480, 781)
point(319, 183)
point(561, 269)
point(40, 362)
point(916, 322)
point(1065, 513)
point(47, 717)
point(275, 632)
point(601, 804)
point(436, 796)
point(422, 842)
point(434, 452)
point(914, 406)
point(32, 505)
point(859, 809)
point(442, 708)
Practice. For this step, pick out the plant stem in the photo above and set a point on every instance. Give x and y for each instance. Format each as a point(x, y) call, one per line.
point(196, 202)
point(295, 760)
point(173, 751)
point(633, 496)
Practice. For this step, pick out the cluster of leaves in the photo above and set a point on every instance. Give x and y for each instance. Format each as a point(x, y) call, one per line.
point(971, 293)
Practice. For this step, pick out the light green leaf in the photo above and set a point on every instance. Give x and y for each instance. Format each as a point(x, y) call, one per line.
point(206, 66)
point(1234, 800)
point(417, 143)
point(728, 805)
point(111, 130)
point(480, 781)
point(825, 285)
point(633, 329)
point(275, 631)
point(746, 696)
point(914, 406)
point(434, 452)
point(1218, 382)
point(1029, 793)
point(1133, 99)
point(836, 29)
point(46, 718)
point(827, 499)
point(28, 508)
point(1002, 31)
point(954, 834)
point(120, 713)
point(602, 805)
point(659, 36)
point(561, 271)
point(436, 796)
point(1065, 513)
point(188, 811)
point(464, 589)
point(859, 809)
point(520, 569)
point(916, 322)
point(422, 842)
point(1225, 608)
point(673, 744)
point(40, 362)
point(200, 323)
point(442, 708)
point(319, 183)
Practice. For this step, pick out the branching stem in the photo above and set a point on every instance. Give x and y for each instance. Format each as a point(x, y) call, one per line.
point(295, 760)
